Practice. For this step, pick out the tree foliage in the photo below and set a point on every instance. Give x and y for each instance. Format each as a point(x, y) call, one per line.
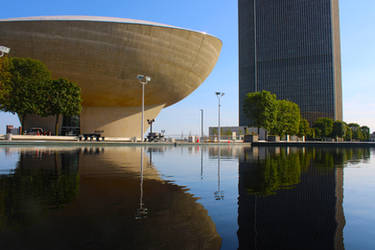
point(323, 127)
point(338, 129)
point(24, 95)
point(287, 118)
point(348, 134)
point(282, 117)
point(304, 128)
point(260, 108)
point(365, 133)
point(4, 78)
point(26, 88)
point(356, 131)
point(62, 97)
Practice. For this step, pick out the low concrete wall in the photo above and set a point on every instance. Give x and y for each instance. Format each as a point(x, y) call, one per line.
point(42, 138)
point(120, 139)
point(312, 143)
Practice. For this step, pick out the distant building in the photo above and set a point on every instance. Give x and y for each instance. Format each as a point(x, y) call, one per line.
point(372, 137)
point(10, 129)
point(234, 132)
point(292, 49)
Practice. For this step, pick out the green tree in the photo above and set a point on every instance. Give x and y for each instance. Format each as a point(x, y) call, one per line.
point(348, 133)
point(356, 131)
point(23, 95)
point(260, 108)
point(304, 128)
point(62, 97)
point(338, 129)
point(4, 78)
point(365, 133)
point(287, 118)
point(323, 127)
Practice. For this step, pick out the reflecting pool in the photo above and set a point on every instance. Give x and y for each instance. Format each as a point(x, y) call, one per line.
point(187, 197)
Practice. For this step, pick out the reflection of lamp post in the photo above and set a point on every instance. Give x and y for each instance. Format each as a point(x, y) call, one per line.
point(201, 163)
point(143, 80)
point(142, 212)
point(201, 125)
point(219, 95)
point(219, 195)
point(150, 151)
point(4, 50)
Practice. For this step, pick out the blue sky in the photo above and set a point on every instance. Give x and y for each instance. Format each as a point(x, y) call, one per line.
point(219, 18)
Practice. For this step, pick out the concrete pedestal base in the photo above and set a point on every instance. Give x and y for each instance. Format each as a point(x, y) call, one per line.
point(116, 121)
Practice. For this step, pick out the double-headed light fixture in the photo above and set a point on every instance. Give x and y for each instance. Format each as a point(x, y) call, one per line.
point(4, 50)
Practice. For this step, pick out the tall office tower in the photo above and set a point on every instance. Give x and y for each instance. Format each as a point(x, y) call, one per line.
point(291, 48)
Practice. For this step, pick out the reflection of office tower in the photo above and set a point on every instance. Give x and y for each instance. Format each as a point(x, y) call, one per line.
point(306, 215)
point(340, 217)
point(291, 48)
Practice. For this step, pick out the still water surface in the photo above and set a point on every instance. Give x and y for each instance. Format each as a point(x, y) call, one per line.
point(187, 198)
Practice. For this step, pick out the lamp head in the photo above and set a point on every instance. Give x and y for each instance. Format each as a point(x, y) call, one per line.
point(140, 77)
point(4, 50)
point(143, 79)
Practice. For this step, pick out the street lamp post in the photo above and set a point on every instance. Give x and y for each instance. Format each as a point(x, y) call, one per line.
point(219, 95)
point(143, 80)
point(4, 50)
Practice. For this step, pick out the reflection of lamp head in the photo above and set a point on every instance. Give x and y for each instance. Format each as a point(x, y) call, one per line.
point(219, 195)
point(141, 213)
point(219, 94)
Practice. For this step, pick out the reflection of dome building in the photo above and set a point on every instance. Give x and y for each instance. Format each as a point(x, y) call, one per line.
point(100, 214)
point(104, 56)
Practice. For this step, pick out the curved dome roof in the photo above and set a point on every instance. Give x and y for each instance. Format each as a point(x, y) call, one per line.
point(93, 19)
point(104, 55)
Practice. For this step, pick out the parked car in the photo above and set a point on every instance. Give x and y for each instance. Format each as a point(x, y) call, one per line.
point(34, 131)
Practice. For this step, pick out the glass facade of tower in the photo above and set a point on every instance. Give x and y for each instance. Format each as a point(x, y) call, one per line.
point(291, 48)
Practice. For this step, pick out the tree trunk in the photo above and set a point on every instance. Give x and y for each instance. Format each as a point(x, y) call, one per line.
point(57, 125)
point(22, 116)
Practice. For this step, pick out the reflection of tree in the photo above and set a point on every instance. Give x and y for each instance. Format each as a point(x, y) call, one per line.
point(41, 181)
point(276, 172)
point(338, 157)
